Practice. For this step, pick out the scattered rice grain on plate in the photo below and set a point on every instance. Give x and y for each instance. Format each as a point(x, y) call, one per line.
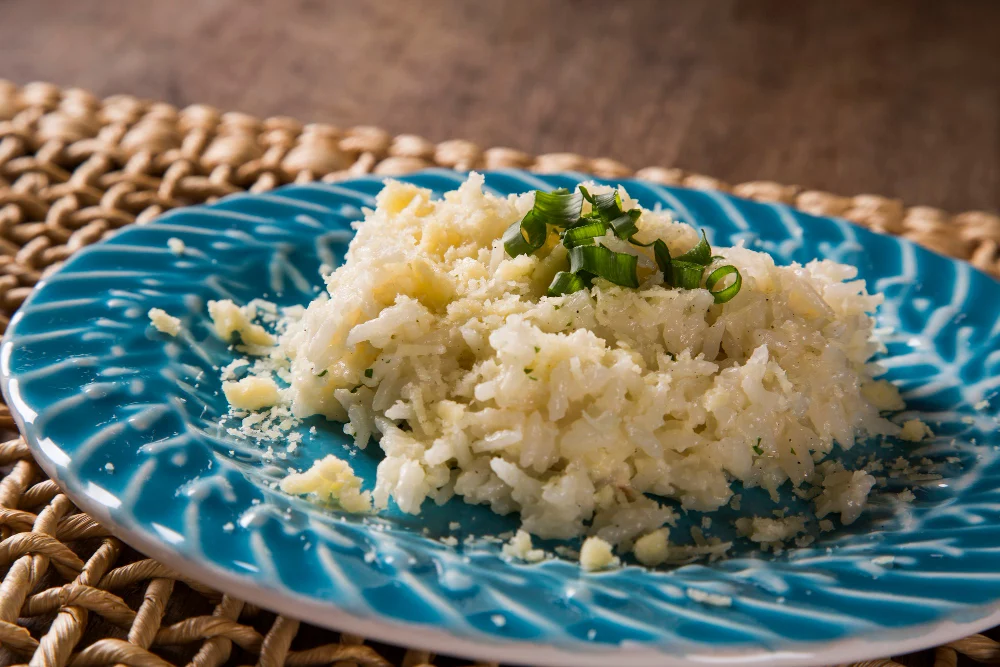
point(163, 322)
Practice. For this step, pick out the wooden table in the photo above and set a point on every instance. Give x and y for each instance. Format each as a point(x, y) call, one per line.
point(895, 97)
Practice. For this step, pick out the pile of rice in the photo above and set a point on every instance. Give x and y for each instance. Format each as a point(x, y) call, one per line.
point(445, 351)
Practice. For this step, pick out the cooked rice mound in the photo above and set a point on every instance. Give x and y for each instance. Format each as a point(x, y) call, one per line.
point(446, 351)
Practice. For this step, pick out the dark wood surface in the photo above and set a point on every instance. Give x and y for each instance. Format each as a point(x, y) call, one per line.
point(895, 97)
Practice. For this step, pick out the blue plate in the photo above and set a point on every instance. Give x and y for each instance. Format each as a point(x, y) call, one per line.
point(126, 420)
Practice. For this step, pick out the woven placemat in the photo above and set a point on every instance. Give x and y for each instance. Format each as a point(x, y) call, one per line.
point(74, 168)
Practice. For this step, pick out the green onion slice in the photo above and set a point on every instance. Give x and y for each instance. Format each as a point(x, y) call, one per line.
point(726, 293)
point(565, 283)
point(624, 225)
point(525, 237)
point(594, 260)
point(642, 245)
point(559, 208)
point(585, 233)
point(700, 254)
point(662, 253)
point(606, 206)
point(686, 275)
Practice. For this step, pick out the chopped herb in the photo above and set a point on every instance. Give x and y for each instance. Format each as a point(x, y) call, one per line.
point(527, 371)
point(607, 209)
point(793, 452)
point(526, 236)
point(323, 372)
point(726, 293)
point(562, 210)
point(565, 282)
point(538, 349)
point(559, 208)
point(662, 253)
point(600, 262)
point(624, 225)
point(584, 234)
point(686, 275)
point(532, 377)
point(757, 447)
point(368, 372)
point(606, 206)
point(643, 245)
point(700, 254)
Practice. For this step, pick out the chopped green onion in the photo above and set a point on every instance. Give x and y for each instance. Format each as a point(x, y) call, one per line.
point(727, 293)
point(643, 245)
point(597, 261)
point(585, 233)
point(624, 225)
point(368, 372)
point(565, 283)
point(686, 275)
point(324, 372)
point(526, 236)
point(757, 448)
point(559, 208)
point(662, 253)
point(700, 254)
point(607, 205)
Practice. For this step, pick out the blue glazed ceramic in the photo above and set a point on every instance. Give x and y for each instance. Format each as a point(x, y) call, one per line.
point(126, 420)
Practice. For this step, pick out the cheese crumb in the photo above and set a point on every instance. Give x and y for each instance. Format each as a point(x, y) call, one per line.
point(109, 466)
point(229, 318)
point(163, 322)
point(595, 554)
point(176, 246)
point(330, 478)
point(520, 547)
point(229, 527)
point(770, 531)
point(982, 405)
point(653, 549)
point(251, 393)
point(906, 496)
point(915, 430)
point(883, 395)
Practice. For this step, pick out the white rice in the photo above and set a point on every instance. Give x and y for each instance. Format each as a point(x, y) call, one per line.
point(437, 345)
